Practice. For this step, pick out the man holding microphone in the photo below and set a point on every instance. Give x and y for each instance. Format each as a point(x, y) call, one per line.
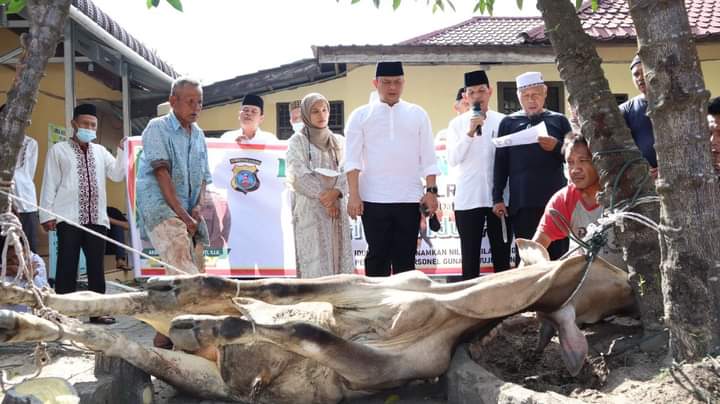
point(471, 154)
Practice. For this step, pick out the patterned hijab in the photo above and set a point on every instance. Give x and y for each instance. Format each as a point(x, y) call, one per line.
point(322, 138)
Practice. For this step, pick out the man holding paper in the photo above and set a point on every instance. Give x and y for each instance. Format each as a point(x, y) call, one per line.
point(471, 154)
point(530, 158)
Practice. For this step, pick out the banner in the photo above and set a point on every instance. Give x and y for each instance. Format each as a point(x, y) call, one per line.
point(248, 212)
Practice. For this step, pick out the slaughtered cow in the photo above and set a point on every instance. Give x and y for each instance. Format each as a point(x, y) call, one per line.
point(325, 339)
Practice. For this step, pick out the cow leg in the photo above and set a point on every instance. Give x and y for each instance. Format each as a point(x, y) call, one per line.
point(573, 345)
point(190, 373)
point(545, 334)
point(362, 366)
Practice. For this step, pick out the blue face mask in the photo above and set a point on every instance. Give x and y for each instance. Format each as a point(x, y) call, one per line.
point(85, 135)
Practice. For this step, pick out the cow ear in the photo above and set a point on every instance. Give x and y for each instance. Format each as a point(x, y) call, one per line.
point(531, 252)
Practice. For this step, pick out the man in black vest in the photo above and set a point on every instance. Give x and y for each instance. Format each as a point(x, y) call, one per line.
point(534, 170)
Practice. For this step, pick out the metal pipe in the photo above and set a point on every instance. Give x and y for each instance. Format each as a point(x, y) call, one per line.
point(69, 72)
point(127, 53)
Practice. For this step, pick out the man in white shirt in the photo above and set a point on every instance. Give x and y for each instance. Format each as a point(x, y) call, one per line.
point(251, 115)
point(471, 154)
point(74, 188)
point(24, 187)
point(389, 148)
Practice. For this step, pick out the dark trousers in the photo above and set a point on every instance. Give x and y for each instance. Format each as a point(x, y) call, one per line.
point(70, 241)
point(525, 222)
point(30, 223)
point(470, 224)
point(116, 233)
point(391, 231)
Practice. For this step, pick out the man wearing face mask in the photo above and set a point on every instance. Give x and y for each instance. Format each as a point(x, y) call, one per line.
point(534, 171)
point(251, 115)
point(74, 188)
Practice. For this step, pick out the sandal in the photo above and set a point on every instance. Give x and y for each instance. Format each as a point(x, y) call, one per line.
point(104, 320)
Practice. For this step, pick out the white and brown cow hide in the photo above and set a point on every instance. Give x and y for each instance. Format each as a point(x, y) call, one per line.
point(325, 339)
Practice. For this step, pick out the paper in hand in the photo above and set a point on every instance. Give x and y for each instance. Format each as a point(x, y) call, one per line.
point(327, 172)
point(527, 136)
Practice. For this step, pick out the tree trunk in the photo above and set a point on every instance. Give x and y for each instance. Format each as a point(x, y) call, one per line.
point(47, 22)
point(677, 105)
point(604, 127)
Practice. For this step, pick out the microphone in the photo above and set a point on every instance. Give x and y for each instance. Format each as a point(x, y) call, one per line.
point(478, 112)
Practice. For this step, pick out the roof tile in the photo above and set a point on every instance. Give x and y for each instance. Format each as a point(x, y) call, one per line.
point(611, 21)
point(89, 8)
point(480, 31)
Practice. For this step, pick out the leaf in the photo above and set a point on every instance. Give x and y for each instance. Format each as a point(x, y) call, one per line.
point(452, 6)
point(490, 4)
point(578, 3)
point(393, 398)
point(353, 1)
point(396, 4)
point(177, 4)
point(13, 6)
point(155, 3)
point(377, 3)
point(519, 4)
point(594, 5)
point(479, 7)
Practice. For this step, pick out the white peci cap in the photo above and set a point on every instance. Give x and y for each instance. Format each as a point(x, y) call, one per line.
point(529, 79)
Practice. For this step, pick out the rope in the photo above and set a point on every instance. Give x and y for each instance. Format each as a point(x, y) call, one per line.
point(615, 215)
point(96, 234)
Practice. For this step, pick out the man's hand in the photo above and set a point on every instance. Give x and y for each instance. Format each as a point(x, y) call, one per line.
point(654, 172)
point(50, 225)
point(547, 143)
point(190, 224)
point(240, 140)
point(500, 210)
point(430, 200)
point(196, 212)
point(475, 121)
point(328, 198)
point(355, 206)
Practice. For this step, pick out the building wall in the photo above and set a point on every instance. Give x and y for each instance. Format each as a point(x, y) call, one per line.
point(50, 109)
point(434, 87)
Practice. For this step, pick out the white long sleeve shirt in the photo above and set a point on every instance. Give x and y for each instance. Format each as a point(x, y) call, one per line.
point(24, 186)
point(260, 136)
point(74, 182)
point(392, 146)
point(472, 159)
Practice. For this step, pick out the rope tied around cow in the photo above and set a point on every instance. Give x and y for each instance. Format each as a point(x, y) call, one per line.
point(616, 214)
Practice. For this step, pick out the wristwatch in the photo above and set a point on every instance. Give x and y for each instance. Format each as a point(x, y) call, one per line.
point(433, 189)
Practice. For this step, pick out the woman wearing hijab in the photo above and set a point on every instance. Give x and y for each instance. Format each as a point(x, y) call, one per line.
point(320, 221)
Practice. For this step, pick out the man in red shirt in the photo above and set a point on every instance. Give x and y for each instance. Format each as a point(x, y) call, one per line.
point(577, 202)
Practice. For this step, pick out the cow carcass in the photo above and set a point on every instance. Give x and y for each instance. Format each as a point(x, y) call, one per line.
point(325, 339)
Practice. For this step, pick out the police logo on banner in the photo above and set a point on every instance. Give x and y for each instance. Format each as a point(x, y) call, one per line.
point(245, 174)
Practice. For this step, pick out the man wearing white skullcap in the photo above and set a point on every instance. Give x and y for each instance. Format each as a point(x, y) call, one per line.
point(534, 171)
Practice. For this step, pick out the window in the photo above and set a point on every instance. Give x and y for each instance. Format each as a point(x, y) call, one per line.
point(284, 129)
point(508, 101)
